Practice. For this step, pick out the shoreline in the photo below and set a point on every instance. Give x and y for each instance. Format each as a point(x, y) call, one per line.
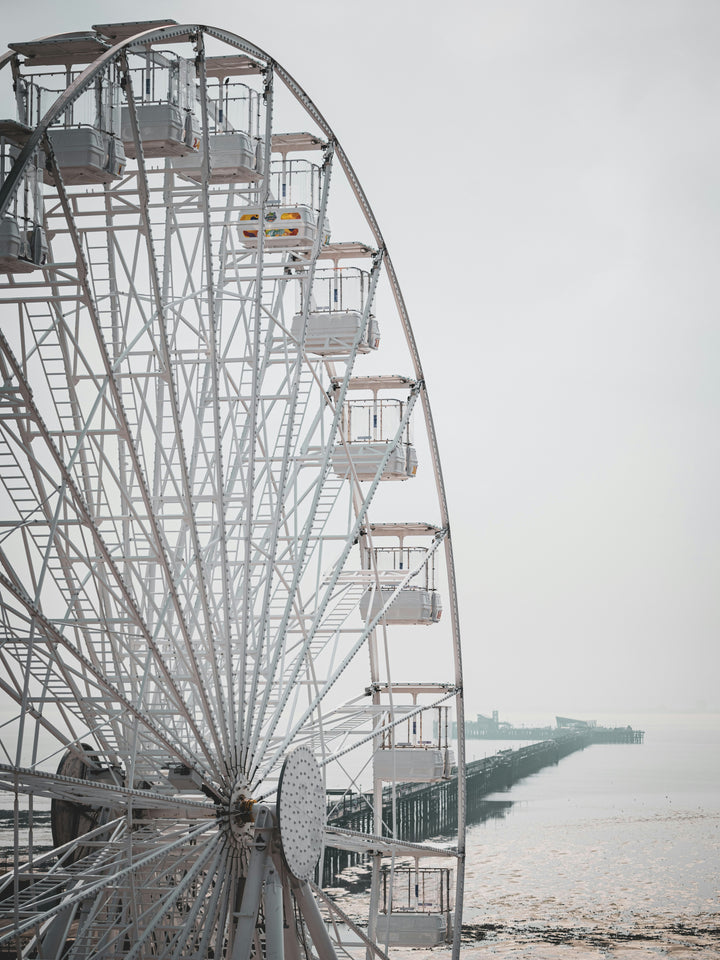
point(679, 940)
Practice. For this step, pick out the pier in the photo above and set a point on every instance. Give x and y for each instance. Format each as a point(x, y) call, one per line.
point(430, 810)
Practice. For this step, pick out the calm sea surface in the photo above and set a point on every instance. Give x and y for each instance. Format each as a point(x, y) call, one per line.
point(613, 853)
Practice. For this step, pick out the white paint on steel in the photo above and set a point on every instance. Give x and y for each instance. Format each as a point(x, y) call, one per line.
point(301, 812)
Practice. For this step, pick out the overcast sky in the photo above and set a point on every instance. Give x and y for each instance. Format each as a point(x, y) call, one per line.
point(545, 173)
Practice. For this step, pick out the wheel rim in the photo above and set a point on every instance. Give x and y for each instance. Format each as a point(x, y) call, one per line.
point(204, 567)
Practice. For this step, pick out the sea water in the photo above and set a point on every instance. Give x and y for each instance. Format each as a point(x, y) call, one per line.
point(613, 853)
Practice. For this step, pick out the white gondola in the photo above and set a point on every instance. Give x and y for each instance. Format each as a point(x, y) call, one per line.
point(417, 601)
point(378, 435)
point(367, 458)
point(405, 755)
point(412, 605)
point(292, 214)
point(285, 226)
point(236, 150)
point(165, 131)
point(85, 140)
point(11, 247)
point(416, 906)
point(333, 334)
point(337, 314)
point(413, 763)
point(86, 155)
point(234, 158)
point(20, 251)
point(164, 92)
point(23, 247)
point(414, 929)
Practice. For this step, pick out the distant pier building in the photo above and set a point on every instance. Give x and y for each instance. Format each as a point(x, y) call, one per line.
point(492, 728)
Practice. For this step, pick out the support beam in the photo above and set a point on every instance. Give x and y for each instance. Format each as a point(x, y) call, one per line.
point(273, 911)
point(247, 916)
point(315, 923)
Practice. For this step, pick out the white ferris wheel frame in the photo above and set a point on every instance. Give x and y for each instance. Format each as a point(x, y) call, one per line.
point(164, 729)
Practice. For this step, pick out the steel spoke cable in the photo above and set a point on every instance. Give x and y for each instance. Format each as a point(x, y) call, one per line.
point(84, 274)
point(89, 669)
point(300, 557)
point(289, 418)
point(220, 504)
point(91, 526)
point(246, 698)
point(173, 402)
point(338, 567)
point(109, 881)
point(58, 786)
point(364, 634)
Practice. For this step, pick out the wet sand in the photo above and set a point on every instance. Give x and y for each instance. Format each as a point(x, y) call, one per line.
point(533, 941)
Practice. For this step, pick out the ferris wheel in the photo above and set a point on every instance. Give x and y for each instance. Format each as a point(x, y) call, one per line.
point(229, 643)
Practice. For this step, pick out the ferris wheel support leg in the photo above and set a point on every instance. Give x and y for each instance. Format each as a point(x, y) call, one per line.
point(247, 916)
point(376, 860)
point(313, 919)
point(56, 934)
point(273, 909)
point(292, 947)
point(374, 901)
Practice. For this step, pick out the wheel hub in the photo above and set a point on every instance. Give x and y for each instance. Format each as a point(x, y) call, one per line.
point(238, 814)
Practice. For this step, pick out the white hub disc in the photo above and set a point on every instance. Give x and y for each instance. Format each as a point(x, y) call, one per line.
point(301, 812)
